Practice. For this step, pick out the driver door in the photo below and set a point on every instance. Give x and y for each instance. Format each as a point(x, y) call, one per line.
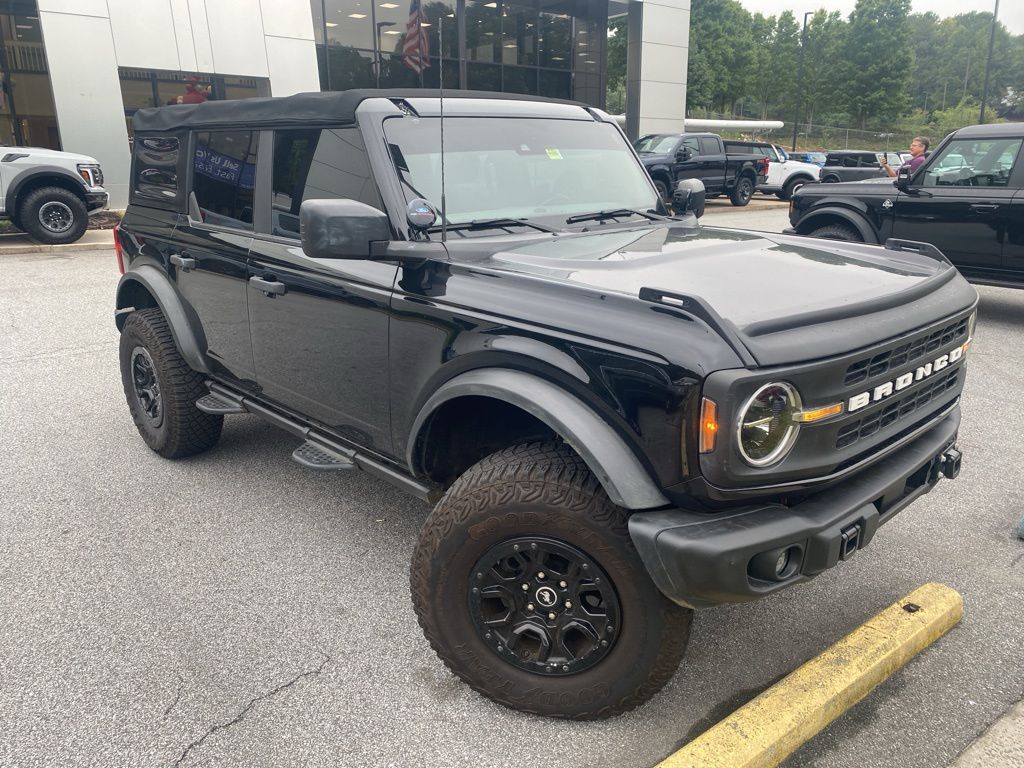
point(960, 202)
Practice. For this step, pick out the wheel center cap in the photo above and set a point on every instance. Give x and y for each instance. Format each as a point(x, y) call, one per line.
point(546, 596)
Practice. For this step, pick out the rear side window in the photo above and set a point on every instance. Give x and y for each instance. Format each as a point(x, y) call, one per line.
point(317, 164)
point(224, 176)
point(157, 177)
point(708, 146)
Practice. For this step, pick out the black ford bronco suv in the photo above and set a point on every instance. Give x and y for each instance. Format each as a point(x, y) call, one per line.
point(620, 415)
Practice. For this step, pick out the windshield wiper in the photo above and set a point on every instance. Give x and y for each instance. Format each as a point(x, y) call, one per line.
point(499, 223)
point(616, 213)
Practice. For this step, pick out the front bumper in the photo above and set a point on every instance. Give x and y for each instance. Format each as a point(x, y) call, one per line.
point(96, 200)
point(699, 560)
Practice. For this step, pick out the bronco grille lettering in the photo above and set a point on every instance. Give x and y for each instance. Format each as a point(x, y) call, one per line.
point(903, 381)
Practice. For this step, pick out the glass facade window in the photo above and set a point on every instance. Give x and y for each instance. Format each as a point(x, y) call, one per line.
point(154, 88)
point(541, 47)
point(27, 114)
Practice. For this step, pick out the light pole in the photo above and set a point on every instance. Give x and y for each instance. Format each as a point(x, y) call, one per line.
point(800, 79)
point(988, 62)
point(376, 48)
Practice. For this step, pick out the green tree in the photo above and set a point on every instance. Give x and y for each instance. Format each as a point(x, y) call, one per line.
point(823, 69)
point(878, 60)
point(722, 51)
point(618, 32)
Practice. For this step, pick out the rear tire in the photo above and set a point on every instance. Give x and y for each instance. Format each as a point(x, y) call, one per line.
point(53, 216)
point(837, 232)
point(162, 390)
point(791, 187)
point(742, 192)
point(535, 515)
point(830, 180)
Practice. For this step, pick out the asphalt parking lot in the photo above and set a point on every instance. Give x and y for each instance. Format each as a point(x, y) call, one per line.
point(238, 609)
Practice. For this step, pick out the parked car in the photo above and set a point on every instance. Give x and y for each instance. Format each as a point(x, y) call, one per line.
point(967, 199)
point(672, 157)
point(49, 194)
point(815, 158)
point(618, 415)
point(785, 175)
point(855, 164)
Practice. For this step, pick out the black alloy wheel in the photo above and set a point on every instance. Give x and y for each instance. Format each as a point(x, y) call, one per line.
point(742, 192)
point(146, 386)
point(52, 215)
point(544, 606)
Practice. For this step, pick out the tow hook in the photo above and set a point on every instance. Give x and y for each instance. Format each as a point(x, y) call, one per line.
point(951, 463)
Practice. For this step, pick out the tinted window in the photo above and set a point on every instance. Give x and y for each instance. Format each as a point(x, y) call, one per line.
point(156, 167)
point(708, 146)
point(224, 174)
point(691, 143)
point(656, 144)
point(973, 163)
point(317, 164)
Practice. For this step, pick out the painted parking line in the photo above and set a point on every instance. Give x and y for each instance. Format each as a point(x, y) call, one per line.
point(768, 729)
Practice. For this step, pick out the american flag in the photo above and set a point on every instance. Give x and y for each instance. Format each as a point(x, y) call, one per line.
point(416, 50)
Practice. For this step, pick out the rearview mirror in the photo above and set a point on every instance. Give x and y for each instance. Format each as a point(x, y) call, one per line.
point(689, 197)
point(341, 229)
point(902, 179)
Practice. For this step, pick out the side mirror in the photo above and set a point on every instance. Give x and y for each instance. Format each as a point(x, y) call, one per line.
point(689, 197)
point(684, 154)
point(341, 229)
point(902, 179)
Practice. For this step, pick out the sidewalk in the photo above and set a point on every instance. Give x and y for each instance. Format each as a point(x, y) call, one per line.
point(1001, 745)
point(92, 240)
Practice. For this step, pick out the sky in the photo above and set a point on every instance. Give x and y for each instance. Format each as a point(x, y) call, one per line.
point(1011, 12)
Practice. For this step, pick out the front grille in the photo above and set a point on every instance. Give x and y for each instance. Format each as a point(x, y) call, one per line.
point(906, 353)
point(896, 411)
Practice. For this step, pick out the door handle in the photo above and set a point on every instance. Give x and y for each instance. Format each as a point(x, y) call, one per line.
point(184, 263)
point(269, 287)
point(984, 208)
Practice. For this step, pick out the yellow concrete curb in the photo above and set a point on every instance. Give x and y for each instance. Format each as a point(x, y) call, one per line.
point(770, 728)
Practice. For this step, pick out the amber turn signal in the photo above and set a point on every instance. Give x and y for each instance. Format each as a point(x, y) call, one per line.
point(810, 415)
point(708, 425)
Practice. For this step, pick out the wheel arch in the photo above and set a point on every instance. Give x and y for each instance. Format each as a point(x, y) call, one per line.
point(538, 403)
point(147, 286)
point(835, 215)
point(37, 178)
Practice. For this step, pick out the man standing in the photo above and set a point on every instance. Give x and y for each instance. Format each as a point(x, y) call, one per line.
point(917, 148)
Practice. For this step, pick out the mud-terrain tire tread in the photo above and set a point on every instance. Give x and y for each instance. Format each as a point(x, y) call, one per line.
point(188, 430)
point(554, 472)
point(843, 232)
point(28, 216)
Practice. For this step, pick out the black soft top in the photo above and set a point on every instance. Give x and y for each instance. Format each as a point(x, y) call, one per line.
point(302, 109)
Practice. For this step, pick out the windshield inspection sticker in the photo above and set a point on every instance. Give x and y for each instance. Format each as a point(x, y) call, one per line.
point(554, 154)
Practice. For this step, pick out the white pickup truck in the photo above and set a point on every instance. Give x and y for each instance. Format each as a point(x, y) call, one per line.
point(785, 176)
point(49, 194)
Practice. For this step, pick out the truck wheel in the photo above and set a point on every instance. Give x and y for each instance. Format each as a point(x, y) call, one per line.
point(790, 189)
point(662, 188)
point(837, 232)
point(527, 585)
point(162, 390)
point(830, 180)
point(742, 192)
point(53, 215)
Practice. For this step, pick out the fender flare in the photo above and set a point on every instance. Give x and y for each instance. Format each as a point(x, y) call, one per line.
point(35, 172)
point(853, 218)
point(156, 282)
point(624, 478)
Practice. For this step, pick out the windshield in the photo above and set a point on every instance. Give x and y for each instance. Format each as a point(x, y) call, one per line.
point(517, 168)
point(656, 145)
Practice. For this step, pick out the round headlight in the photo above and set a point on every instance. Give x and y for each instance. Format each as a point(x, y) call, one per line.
point(766, 429)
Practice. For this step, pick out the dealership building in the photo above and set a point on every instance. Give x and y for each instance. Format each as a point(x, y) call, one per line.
point(75, 71)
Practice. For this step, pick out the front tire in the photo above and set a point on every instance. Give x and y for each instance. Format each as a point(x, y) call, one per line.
point(662, 188)
point(791, 187)
point(837, 232)
point(162, 390)
point(742, 192)
point(590, 637)
point(53, 216)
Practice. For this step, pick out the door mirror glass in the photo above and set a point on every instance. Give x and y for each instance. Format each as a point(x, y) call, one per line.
point(689, 197)
point(684, 154)
point(341, 229)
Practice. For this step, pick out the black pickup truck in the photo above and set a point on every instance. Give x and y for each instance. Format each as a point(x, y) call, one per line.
point(967, 199)
point(669, 158)
point(619, 415)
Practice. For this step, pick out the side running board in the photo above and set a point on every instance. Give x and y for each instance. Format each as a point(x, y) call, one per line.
point(319, 450)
